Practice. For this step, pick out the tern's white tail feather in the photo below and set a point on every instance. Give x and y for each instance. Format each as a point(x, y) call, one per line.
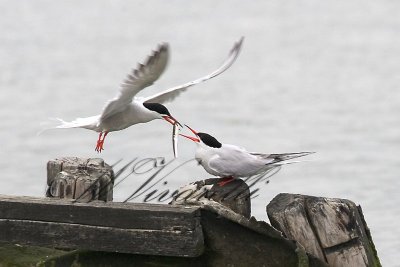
point(87, 123)
point(65, 124)
point(281, 159)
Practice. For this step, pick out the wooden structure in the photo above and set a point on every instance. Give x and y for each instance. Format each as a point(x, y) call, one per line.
point(211, 234)
point(333, 230)
point(205, 225)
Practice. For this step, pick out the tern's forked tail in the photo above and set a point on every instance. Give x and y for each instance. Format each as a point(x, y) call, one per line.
point(289, 156)
point(281, 159)
point(87, 123)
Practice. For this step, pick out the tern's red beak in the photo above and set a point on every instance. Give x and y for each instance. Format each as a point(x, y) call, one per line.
point(171, 120)
point(194, 139)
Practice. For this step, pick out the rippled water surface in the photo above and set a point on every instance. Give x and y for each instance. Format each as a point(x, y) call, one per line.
point(312, 76)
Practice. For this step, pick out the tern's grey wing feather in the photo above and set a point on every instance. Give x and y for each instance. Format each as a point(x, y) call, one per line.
point(144, 75)
point(172, 93)
point(234, 161)
point(237, 167)
point(273, 158)
point(218, 166)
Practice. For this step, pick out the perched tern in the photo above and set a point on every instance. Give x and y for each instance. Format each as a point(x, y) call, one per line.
point(231, 162)
point(127, 109)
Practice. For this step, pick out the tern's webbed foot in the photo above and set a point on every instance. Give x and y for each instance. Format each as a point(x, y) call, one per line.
point(100, 142)
point(99, 146)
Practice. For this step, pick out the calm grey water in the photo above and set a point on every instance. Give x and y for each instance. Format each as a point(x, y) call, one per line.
point(312, 76)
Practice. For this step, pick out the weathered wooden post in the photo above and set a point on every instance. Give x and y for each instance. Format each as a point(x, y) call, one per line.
point(331, 229)
point(234, 195)
point(82, 179)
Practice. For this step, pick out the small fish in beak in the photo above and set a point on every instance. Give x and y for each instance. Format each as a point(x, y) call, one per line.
point(175, 135)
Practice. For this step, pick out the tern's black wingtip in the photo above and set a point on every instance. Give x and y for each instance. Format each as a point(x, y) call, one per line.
point(239, 43)
point(237, 47)
point(163, 46)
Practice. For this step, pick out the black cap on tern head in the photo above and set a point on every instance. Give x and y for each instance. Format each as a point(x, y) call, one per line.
point(157, 107)
point(209, 140)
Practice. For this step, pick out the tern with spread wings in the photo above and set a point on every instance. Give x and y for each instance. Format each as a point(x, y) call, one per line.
point(127, 109)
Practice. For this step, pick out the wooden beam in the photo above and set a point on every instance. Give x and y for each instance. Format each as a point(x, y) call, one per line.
point(114, 227)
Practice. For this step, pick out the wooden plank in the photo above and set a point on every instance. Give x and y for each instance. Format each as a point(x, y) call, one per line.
point(341, 231)
point(74, 236)
point(333, 219)
point(111, 214)
point(300, 230)
point(63, 223)
point(348, 256)
point(289, 213)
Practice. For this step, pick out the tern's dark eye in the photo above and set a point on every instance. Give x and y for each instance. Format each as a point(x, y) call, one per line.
point(209, 140)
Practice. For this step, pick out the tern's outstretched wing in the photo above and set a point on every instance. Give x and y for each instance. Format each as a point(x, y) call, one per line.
point(170, 94)
point(144, 75)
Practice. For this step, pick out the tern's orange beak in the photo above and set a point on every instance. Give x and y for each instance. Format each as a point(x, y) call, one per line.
point(194, 139)
point(171, 120)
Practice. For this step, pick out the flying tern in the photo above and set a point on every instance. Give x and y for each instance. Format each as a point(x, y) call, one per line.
point(127, 109)
point(231, 162)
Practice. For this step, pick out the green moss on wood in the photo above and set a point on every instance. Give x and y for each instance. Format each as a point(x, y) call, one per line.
point(12, 255)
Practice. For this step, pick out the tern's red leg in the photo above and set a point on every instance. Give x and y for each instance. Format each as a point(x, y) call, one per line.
point(100, 142)
point(226, 180)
